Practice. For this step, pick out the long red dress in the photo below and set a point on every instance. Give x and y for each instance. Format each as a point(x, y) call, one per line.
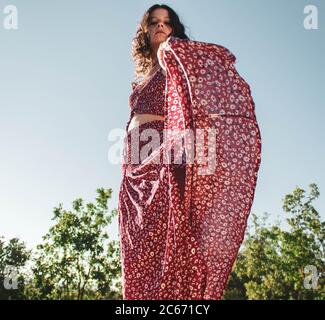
point(181, 225)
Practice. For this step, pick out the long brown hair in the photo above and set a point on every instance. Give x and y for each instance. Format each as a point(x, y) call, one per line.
point(141, 49)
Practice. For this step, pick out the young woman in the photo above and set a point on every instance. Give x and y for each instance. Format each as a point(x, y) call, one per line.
point(182, 221)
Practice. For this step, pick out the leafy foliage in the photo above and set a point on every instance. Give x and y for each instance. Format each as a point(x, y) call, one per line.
point(76, 259)
point(283, 264)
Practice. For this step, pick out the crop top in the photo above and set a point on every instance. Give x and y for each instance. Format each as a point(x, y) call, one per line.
point(149, 97)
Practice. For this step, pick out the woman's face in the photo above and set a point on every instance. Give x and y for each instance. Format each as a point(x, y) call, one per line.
point(159, 28)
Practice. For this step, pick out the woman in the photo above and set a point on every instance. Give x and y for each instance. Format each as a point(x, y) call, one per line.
point(182, 221)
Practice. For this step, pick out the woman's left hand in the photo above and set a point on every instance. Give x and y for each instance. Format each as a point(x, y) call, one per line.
point(160, 53)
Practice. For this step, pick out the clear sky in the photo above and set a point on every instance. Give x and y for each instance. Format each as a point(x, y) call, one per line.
point(65, 78)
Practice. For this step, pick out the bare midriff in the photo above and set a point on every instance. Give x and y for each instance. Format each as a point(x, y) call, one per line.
point(141, 118)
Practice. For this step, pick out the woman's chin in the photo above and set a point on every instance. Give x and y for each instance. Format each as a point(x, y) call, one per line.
point(161, 36)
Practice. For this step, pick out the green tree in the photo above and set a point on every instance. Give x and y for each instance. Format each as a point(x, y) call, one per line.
point(76, 259)
point(283, 264)
point(13, 259)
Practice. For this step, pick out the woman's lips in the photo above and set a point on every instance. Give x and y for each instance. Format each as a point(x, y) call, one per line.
point(160, 32)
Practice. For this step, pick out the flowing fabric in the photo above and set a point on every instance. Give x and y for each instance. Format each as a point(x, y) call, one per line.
point(180, 230)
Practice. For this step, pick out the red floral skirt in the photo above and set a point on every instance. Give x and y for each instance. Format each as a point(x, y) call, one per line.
point(144, 200)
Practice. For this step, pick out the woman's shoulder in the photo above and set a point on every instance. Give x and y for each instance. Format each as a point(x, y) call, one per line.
point(143, 80)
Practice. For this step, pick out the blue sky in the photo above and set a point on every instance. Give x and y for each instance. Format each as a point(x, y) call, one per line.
point(65, 80)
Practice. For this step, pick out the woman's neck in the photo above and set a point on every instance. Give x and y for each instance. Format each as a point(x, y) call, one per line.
point(153, 69)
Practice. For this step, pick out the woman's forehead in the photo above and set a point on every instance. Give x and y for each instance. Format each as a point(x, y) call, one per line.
point(159, 13)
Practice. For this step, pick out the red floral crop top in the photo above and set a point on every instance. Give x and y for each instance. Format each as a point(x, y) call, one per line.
point(150, 96)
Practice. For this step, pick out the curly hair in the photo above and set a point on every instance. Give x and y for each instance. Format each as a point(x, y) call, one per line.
point(141, 49)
